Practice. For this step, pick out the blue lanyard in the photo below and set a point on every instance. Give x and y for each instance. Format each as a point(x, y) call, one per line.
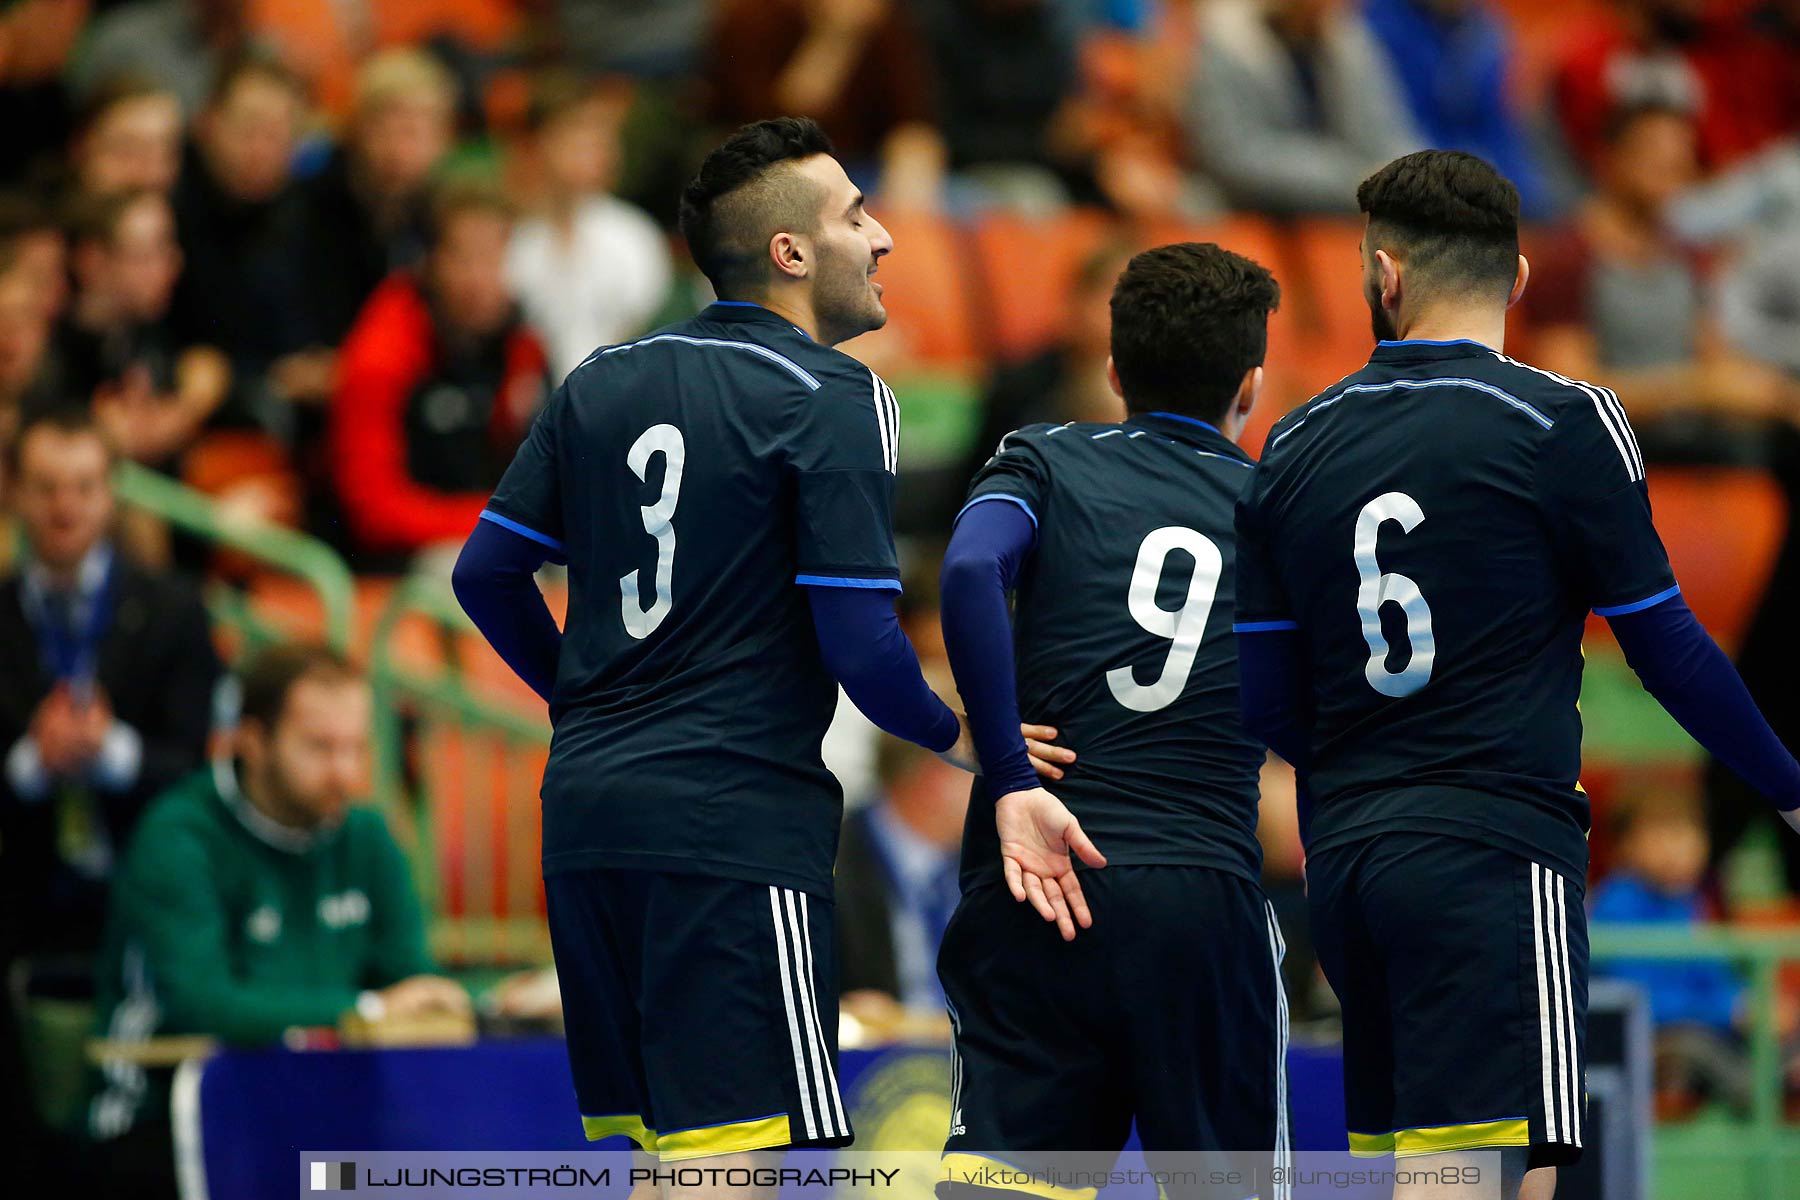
point(933, 908)
point(72, 655)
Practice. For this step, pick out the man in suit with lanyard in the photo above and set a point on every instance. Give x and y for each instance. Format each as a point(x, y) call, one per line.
point(110, 673)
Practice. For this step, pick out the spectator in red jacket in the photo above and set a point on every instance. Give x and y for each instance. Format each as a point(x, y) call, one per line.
point(437, 385)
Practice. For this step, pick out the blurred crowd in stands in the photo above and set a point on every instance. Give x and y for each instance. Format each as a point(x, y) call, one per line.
point(323, 262)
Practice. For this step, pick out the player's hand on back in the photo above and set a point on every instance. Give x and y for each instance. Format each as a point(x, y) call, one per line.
point(1037, 833)
point(1047, 759)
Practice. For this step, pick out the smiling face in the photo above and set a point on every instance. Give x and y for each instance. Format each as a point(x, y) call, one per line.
point(847, 246)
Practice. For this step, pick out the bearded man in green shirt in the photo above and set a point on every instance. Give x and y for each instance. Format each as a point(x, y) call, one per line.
point(256, 896)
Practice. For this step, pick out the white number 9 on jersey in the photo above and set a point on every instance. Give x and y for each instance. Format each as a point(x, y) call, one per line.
point(1378, 588)
point(1183, 627)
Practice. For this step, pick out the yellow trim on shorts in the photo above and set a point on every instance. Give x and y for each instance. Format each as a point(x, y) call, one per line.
point(1480, 1135)
point(961, 1161)
point(1371, 1145)
point(760, 1133)
point(629, 1124)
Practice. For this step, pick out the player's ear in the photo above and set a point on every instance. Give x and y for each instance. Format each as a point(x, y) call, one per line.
point(1112, 378)
point(1249, 390)
point(1389, 272)
point(1520, 279)
point(791, 256)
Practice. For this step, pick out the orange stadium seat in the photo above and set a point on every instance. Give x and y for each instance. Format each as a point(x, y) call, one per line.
point(1723, 527)
point(926, 289)
point(1324, 299)
point(1027, 266)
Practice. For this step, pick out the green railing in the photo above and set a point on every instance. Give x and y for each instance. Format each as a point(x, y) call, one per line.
point(305, 558)
point(414, 703)
point(411, 700)
point(1764, 1148)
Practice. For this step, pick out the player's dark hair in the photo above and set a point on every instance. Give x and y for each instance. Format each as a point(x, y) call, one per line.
point(744, 195)
point(273, 674)
point(68, 418)
point(1189, 321)
point(1452, 219)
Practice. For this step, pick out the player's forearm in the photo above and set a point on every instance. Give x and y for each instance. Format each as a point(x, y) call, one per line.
point(980, 567)
point(867, 652)
point(1689, 675)
point(1272, 693)
point(494, 584)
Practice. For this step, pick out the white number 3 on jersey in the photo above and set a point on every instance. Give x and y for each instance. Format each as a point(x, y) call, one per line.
point(641, 622)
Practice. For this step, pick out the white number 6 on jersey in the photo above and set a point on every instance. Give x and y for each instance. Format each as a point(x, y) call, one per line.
point(641, 622)
point(1184, 627)
point(1377, 589)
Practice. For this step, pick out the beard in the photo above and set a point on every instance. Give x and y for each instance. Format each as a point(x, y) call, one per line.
point(1380, 323)
point(843, 302)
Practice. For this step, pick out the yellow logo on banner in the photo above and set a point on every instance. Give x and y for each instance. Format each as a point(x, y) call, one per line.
point(903, 1103)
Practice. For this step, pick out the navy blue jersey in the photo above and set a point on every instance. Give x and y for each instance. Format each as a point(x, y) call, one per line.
point(691, 479)
point(1437, 526)
point(1122, 621)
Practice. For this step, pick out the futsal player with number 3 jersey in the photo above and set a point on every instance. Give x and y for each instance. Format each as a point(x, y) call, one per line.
point(722, 491)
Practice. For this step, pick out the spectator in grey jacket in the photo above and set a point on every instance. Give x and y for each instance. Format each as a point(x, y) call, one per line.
point(1294, 104)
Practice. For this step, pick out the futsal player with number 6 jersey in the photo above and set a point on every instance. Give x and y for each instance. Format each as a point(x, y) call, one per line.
point(1418, 551)
point(722, 492)
point(1148, 990)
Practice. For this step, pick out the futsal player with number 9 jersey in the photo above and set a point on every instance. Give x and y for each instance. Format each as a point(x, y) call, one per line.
point(1164, 1007)
point(722, 492)
point(1418, 552)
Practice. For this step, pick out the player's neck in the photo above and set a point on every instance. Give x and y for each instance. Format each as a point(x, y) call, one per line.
point(796, 312)
point(1451, 325)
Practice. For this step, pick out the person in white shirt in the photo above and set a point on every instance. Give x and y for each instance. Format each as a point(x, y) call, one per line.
point(590, 269)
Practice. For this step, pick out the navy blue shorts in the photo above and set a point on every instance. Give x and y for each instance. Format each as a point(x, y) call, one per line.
point(1169, 1012)
point(1463, 971)
point(701, 1013)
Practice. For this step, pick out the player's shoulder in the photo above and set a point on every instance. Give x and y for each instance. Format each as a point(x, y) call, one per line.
point(1554, 396)
point(776, 358)
point(1282, 433)
point(1047, 442)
